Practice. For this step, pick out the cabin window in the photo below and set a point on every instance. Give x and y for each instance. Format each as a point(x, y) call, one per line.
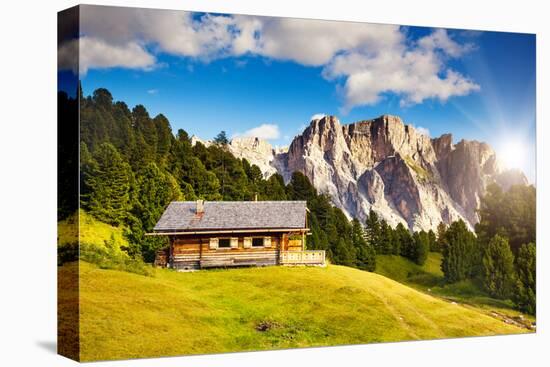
point(224, 243)
point(213, 243)
point(258, 242)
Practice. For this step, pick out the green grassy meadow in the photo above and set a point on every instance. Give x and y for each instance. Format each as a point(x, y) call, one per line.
point(92, 231)
point(125, 315)
point(428, 278)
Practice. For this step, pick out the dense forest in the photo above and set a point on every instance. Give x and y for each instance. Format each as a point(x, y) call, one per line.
point(133, 165)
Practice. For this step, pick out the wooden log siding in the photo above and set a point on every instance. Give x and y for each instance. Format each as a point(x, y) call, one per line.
point(235, 234)
point(196, 252)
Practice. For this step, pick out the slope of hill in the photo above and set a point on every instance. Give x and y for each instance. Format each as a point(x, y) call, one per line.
point(406, 271)
point(92, 231)
point(428, 278)
point(125, 315)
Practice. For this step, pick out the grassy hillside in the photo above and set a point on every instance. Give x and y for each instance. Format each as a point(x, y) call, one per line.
point(92, 231)
point(429, 278)
point(405, 271)
point(125, 315)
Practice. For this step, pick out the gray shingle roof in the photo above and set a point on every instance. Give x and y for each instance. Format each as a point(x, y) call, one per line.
point(229, 215)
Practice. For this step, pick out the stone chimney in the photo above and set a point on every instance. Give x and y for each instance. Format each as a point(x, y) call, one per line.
point(200, 207)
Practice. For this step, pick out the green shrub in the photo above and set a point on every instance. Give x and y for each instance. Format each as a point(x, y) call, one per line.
point(111, 259)
point(106, 258)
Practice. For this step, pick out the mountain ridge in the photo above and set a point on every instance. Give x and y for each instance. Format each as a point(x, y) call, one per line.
point(387, 165)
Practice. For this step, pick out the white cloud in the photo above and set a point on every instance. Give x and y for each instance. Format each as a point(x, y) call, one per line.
point(152, 91)
point(364, 60)
point(96, 53)
point(423, 131)
point(317, 116)
point(264, 131)
point(308, 42)
point(415, 72)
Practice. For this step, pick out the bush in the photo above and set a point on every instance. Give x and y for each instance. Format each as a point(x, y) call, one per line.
point(105, 258)
point(111, 259)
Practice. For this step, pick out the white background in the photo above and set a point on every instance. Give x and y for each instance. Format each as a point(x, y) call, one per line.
point(28, 182)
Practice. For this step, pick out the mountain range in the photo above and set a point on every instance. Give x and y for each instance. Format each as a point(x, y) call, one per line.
point(388, 166)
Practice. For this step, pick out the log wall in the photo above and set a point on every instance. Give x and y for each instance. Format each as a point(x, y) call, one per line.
point(195, 252)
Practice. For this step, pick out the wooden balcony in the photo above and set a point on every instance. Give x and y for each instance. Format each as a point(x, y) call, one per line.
point(308, 257)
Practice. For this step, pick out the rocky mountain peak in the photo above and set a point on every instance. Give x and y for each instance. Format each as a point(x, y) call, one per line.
point(256, 151)
point(386, 165)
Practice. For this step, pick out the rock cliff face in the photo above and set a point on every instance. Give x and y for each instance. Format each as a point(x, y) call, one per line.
point(388, 166)
point(256, 151)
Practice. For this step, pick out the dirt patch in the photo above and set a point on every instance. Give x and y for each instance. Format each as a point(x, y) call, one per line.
point(267, 325)
point(519, 321)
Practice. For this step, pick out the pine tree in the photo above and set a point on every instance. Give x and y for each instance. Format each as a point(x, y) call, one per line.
point(404, 237)
point(440, 241)
point(343, 253)
point(300, 188)
point(421, 247)
point(385, 242)
point(366, 256)
point(396, 242)
point(432, 240)
point(108, 181)
point(273, 188)
point(526, 285)
point(498, 268)
point(221, 138)
point(154, 191)
point(164, 137)
point(147, 129)
point(459, 252)
point(373, 231)
point(511, 214)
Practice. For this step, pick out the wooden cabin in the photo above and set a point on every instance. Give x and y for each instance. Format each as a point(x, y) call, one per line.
point(235, 233)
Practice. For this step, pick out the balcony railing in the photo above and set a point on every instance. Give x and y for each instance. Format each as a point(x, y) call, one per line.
point(308, 257)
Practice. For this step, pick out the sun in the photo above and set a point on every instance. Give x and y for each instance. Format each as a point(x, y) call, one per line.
point(512, 152)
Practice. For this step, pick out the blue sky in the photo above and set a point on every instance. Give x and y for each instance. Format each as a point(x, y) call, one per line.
point(208, 73)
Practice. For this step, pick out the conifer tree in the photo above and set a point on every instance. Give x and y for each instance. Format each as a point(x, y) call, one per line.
point(221, 138)
point(108, 181)
point(421, 247)
point(366, 256)
point(498, 268)
point(273, 188)
point(404, 237)
point(343, 253)
point(440, 241)
point(432, 240)
point(385, 241)
point(526, 291)
point(459, 252)
point(300, 188)
point(372, 230)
